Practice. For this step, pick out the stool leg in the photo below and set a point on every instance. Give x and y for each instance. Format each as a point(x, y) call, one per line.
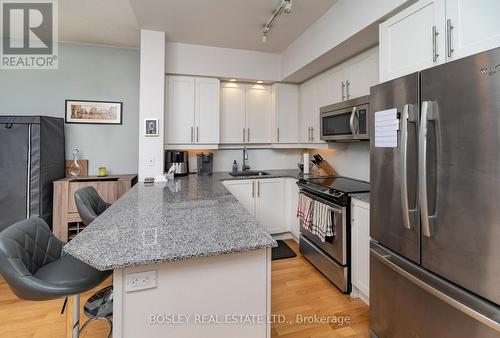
point(111, 328)
point(76, 315)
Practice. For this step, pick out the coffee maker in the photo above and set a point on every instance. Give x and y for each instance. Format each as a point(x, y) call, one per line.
point(177, 161)
point(205, 164)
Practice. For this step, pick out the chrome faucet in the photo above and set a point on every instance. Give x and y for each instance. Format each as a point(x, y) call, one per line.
point(245, 158)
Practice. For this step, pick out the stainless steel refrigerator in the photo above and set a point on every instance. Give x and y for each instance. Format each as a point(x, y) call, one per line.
point(435, 204)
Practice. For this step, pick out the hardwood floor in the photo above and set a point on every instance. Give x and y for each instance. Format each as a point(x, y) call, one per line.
point(298, 289)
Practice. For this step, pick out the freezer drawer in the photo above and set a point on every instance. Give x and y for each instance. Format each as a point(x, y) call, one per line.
point(409, 302)
point(336, 273)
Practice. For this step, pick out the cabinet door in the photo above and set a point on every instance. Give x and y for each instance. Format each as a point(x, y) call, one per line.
point(286, 113)
point(360, 246)
point(307, 109)
point(232, 113)
point(476, 26)
point(180, 110)
point(335, 91)
point(258, 111)
point(270, 204)
point(244, 192)
point(363, 74)
point(406, 39)
point(207, 111)
point(291, 202)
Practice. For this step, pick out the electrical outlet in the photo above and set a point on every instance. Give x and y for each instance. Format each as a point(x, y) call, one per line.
point(151, 162)
point(140, 281)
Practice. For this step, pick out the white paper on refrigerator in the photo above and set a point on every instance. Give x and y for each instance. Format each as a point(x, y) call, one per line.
point(386, 128)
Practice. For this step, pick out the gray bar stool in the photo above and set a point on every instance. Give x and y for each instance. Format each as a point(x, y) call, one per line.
point(89, 204)
point(33, 264)
point(100, 306)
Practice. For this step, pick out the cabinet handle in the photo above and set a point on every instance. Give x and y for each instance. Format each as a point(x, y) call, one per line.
point(312, 134)
point(243, 134)
point(449, 27)
point(258, 188)
point(248, 134)
point(435, 54)
point(253, 189)
point(343, 89)
point(347, 83)
point(197, 134)
point(192, 137)
point(277, 134)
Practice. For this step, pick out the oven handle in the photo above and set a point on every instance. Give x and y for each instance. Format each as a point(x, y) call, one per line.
point(335, 208)
point(351, 121)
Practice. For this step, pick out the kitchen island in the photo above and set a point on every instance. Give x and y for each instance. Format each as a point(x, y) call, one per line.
point(188, 261)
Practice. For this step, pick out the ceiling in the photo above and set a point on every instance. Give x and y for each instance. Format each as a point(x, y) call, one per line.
point(220, 23)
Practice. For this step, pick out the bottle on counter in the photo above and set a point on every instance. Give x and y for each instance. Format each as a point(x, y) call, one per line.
point(306, 162)
point(235, 167)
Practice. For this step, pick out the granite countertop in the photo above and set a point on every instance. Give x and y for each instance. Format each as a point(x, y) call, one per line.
point(192, 216)
point(365, 196)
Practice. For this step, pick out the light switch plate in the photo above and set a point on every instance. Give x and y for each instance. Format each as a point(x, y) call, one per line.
point(140, 281)
point(151, 161)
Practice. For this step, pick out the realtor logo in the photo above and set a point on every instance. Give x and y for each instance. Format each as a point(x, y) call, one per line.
point(28, 34)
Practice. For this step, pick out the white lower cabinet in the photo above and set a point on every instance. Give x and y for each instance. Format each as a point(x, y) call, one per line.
point(264, 199)
point(360, 250)
point(291, 202)
point(270, 204)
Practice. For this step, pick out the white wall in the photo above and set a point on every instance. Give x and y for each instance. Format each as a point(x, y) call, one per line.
point(85, 72)
point(199, 60)
point(152, 101)
point(258, 159)
point(354, 161)
point(344, 19)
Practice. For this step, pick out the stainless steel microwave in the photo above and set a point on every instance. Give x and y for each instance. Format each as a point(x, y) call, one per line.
point(346, 121)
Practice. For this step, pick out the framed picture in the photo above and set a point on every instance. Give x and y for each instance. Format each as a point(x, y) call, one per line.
point(93, 112)
point(151, 127)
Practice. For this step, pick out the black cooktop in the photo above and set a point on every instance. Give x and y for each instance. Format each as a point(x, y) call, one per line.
point(339, 183)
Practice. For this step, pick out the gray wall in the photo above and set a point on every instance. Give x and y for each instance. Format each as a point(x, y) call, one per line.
point(88, 73)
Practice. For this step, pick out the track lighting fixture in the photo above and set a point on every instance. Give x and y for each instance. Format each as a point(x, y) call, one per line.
point(283, 6)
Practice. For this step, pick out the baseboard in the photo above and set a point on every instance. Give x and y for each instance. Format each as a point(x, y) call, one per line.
point(285, 235)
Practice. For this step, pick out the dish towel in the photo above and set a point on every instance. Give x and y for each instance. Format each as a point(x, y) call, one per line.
point(305, 210)
point(321, 221)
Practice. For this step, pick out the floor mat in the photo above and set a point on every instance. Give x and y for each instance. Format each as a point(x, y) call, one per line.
point(282, 251)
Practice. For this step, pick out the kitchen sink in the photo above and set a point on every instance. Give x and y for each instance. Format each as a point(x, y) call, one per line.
point(249, 173)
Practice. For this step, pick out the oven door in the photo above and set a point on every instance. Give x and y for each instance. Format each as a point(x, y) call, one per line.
point(336, 246)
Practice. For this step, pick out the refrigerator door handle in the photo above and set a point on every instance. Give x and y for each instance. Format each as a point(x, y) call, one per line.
point(482, 314)
point(408, 116)
point(422, 168)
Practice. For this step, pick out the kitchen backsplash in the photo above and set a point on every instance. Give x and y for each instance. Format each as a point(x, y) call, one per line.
point(258, 159)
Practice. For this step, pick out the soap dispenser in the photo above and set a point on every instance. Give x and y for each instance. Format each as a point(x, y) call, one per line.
point(235, 167)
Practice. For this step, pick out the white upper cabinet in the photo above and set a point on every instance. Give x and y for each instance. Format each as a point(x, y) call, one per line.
point(180, 109)
point(413, 39)
point(246, 113)
point(336, 82)
point(431, 32)
point(258, 109)
point(363, 73)
point(207, 110)
point(472, 27)
point(192, 110)
point(347, 81)
point(286, 113)
point(309, 111)
point(232, 113)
